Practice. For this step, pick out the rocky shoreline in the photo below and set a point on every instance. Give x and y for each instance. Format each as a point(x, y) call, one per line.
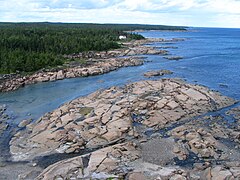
point(97, 63)
point(144, 130)
point(97, 68)
point(154, 129)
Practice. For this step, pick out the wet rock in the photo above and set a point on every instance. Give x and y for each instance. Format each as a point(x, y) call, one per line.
point(118, 161)
point(210, 143)
point(157, 73)
point(24, 123)
point(3, 126)
point(223, 85)
point(204, 146)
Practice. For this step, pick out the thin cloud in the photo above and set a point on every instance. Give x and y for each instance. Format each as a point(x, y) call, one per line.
point(81, 4)
point(220, 13)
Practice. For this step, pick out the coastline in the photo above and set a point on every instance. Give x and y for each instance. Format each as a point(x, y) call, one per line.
point(119, 132)
point(102, 62)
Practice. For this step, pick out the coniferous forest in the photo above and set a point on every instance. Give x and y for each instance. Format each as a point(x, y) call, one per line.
point(28, 47)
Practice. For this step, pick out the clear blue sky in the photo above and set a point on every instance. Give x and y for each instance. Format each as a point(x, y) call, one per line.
point(206, 13)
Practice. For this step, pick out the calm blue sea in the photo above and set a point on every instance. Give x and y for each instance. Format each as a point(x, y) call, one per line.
point(211, 57)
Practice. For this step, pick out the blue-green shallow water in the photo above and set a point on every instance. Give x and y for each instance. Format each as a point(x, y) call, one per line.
point(211, 57)
point(40, 98)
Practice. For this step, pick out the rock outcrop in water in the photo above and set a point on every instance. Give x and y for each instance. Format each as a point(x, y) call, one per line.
point(106, 117)
point(115, 127)
point(98, 63)
point(157, 73)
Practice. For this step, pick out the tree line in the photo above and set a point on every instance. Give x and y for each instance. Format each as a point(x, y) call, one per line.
point(28, 47)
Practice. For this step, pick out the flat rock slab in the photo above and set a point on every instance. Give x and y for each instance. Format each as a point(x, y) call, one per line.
point(100, 164)
point(158, 151)
point(123, 161)
point(106, 117)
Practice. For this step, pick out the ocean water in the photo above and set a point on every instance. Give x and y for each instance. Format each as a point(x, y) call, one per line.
point(211, 57)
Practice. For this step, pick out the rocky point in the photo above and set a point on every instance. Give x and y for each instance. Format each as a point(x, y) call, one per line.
point(97, 63)
point(144, 130)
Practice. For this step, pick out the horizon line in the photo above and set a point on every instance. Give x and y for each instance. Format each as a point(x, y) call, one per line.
point(55, 22)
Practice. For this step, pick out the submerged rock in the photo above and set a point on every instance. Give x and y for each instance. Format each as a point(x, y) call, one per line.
point(176, 58)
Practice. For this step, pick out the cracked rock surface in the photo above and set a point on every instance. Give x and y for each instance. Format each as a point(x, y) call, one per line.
point(144, 130)
point(197, 144)
point(106, 117)
point(101, 164)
